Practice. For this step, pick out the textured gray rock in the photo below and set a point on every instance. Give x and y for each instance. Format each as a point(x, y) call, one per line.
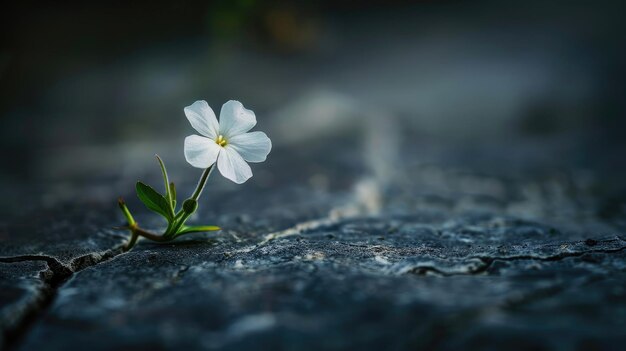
point(391, 283)
point(21, 292)
point(334, 251)
point(41, 249)
point(64, 239)
point(65, 233)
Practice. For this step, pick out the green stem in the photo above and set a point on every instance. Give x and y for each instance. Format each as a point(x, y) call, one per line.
point(182, 216)
point(196, 194)
point(136, 232)
point(202, 182)
point(180, 222)
point(129, 217)
point(170, 225)
point(148, 235)
point(133, 240)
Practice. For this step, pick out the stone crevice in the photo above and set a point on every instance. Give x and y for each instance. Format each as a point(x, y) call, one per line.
point(558, 257)
point(55, 267)
point(488, 261)
point(365, 200)
point(53, 278)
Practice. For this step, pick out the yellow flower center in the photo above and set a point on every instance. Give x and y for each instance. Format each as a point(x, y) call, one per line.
point(221, 141)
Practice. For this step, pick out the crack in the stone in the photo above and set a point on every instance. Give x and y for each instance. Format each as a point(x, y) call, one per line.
point(55, 267)
point(558, 257)
point(488, 261)
point(366, 200)
point(425, 270)
point(56, 274)
point(367, 192)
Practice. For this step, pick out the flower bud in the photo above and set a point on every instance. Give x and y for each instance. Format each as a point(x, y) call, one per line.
point(190, 205)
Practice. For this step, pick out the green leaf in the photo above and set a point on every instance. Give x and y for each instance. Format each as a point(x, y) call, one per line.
point(196, 229)
point(168, 194)
point(153, 200)
point(173, 193)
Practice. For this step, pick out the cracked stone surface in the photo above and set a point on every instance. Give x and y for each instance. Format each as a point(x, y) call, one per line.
point(21, 290)
point(335, 245)
point(387, 283)
point(443, 176)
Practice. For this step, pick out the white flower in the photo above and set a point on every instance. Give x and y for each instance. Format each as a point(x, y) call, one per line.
point(227, 141)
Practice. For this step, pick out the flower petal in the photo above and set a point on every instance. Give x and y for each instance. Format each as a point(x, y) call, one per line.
point(202, 118)
point(235, 119)
point(201, 152)
point(253, 146)
point(233, 166)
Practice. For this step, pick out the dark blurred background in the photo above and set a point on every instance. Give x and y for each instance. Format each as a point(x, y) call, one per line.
point(94, 89)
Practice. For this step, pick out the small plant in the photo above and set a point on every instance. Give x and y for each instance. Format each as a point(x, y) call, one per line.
point(226, 143)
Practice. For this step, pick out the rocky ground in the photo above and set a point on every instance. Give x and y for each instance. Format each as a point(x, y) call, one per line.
point(378, 239)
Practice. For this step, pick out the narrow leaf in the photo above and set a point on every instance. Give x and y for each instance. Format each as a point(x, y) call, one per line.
point(153, 200)
point(173, 194)
point(196, 229)
point(166, 180)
